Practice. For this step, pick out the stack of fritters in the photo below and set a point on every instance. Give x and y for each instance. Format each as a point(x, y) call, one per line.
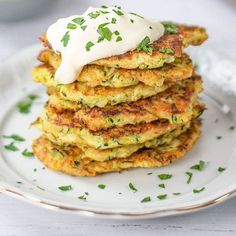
point(133, 110)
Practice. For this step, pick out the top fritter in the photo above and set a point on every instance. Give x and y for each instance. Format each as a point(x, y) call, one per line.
point(110, 37)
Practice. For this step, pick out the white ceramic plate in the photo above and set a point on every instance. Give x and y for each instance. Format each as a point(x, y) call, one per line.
point(28, 179)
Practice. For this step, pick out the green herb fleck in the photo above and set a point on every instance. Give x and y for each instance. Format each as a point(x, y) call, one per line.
point(105, 32)
point(221, 169)
point(94, 15)
point(79, 20)
point(118, 12)
point(150, 27)
point(164, 176)
point(136, 14)
point(65, 188)
point(18, 182)
point(161, 185)
point(89, 45)
point(116, 32)
point(65, 39)
point(102, 186)
point(190, 175)
point(132, 21)
point(232, 127)
point(15, 137)
point(219, 137)
point(11, 147)
point(33, 97)
point(71, 26)
point(113, 20)
point(146, 199)
point(119, 39)
point(83, 27)
point(200, 166)
point(176, 194)
point(82, 197)
point(198, 190)
point(24, 106)
point(145, 46)
point(170, 27)
point(166, 50)
point(104, 6)
point(27, 153)
point(132, 187)
point(149, 173)
point(162, 197)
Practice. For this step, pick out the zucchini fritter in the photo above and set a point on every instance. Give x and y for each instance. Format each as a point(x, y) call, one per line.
point(99, 96)
point(68, 159)
point(65, 130)
point(174, 104)
point(94, 75)
point(188, 35)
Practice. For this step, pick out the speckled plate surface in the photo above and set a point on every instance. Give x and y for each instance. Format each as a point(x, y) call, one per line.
point(25, 177)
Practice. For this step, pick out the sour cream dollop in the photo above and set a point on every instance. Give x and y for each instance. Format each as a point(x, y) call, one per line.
point(96, 34)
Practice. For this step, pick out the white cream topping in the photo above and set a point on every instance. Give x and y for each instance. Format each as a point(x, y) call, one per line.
point(98, 33)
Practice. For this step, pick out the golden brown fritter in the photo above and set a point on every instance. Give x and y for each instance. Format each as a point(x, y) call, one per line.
point(68, 159)
point(99, 96)
point(94, 75)
point(188, 35)
point(62, 128)
point(174, 104)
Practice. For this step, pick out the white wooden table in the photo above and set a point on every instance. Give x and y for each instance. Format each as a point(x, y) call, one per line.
point(22, 219)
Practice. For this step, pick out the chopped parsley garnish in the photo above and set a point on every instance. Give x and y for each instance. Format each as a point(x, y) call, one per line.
point(162, 197)
point(145, 45)
point(161, 185)
point(24, 106)
point(150, 27)
point(101, 186)
point(176, 194)
point(35, 169)
point(132, 21)
point(104, 6)
point(83, 27)
point(79, 20)
point(65, 188)
point(18, 182)
point(105, 32)
point(15, 137)
point(170, 27)
point(116, 32)
point(65, 39)
point(94, 15)
point(11, 147)
point(219, 137)
point(119, 39)
point(82, 197)
point(190, 175)
point(149, 173)
point(166, 50)
point(200, 166)
point(136, 14)
point(33, 97)
point(232, 127)
point(118, 12)
point(198, 190)
point(71, 26)
point(221, 169)
point(113, 20)
point(89, 45)
point(27, 153)
point(146, 199)
point(132, 187)
point(164, 176)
